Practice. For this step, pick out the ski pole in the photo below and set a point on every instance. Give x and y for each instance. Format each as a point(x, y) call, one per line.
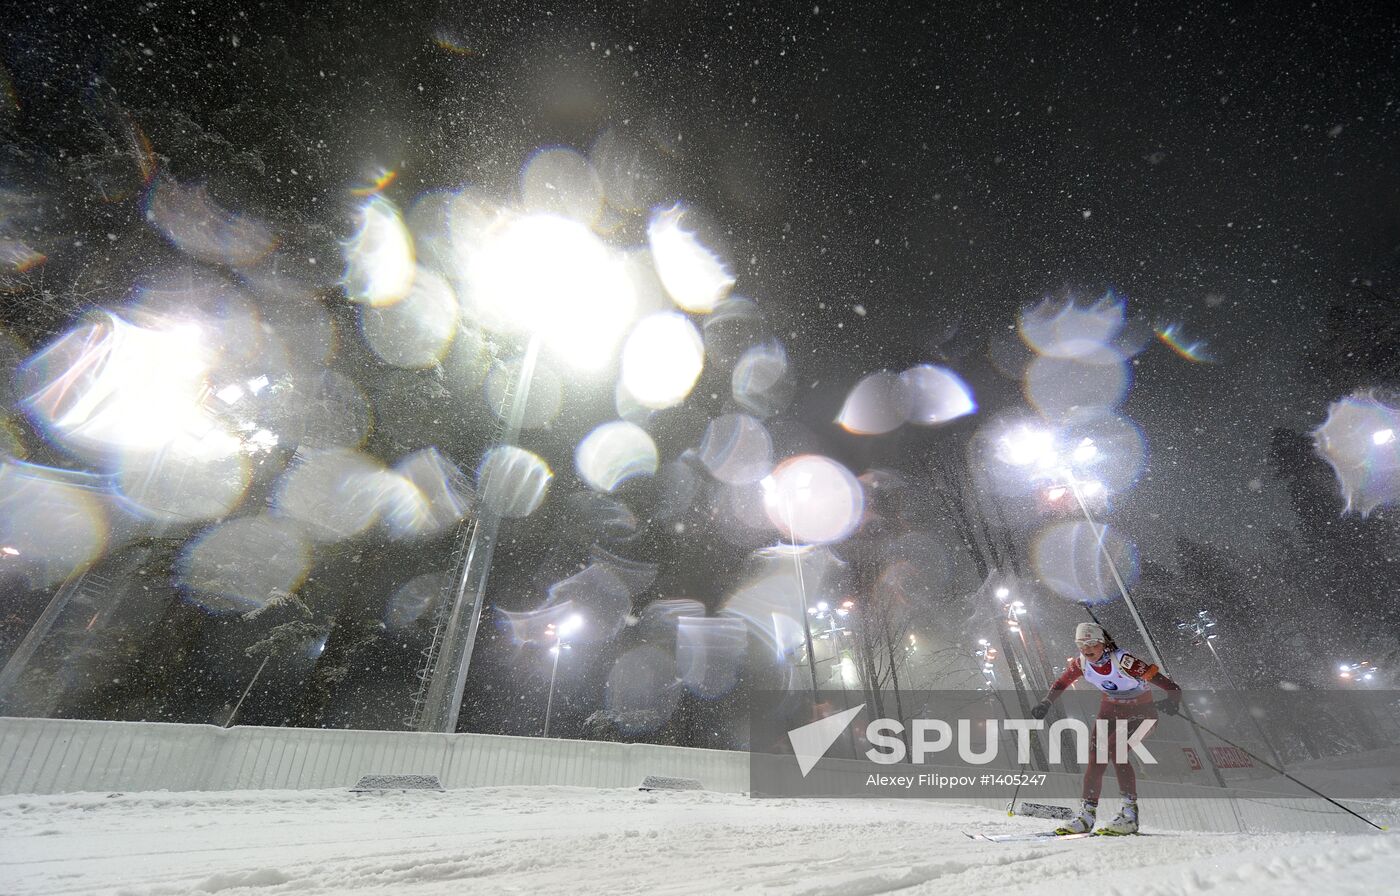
point(1379, 827)
point(1020, 779)
point(1011, 806)
point(1040, 808)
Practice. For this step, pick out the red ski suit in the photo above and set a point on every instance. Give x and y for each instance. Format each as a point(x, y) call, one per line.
point(1135, 707)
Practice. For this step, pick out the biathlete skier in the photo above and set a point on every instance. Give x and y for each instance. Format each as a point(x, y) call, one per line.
point(1122, 678)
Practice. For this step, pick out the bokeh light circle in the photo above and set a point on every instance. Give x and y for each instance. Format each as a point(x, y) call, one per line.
point(244, 564)
point(813, 499)
point(109, 385)
point(417, 331)
point(1066, 329)
point(414, 600)
point(771, 608)
point(878, 404)
point(739, 514)
point(379, 259)
point(629, 171)
point(613, 453)
point(646, 285)
point(553, 278)
point(538, 626)
point(187, 485)
point(512, 481)
point(734, 326)
point(936, 395)
point(334, 494)
point(429, 223)
point(434, 495)
point(761, 382)
point(1063, 388)
point(601, 599)
point(49, 529)
point(736, 449)
point(1361, 441)
point(1109, 449)
point(1067, 558)
point(662, 359)
point(561, 181)
point(694, 275)
point(202, 229)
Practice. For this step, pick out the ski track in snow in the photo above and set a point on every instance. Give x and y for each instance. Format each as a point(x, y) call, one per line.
point(579, 840)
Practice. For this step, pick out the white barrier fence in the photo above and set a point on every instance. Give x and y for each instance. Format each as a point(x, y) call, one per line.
point(62, 756)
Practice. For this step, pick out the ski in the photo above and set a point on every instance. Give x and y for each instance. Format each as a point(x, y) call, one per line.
point(1026, 838)
point(1042, 810)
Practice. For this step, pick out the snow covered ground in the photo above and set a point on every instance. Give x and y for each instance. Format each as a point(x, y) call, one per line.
point(576, 840)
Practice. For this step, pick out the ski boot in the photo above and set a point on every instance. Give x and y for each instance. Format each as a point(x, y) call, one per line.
point(1126, 821)
point(1082, 823)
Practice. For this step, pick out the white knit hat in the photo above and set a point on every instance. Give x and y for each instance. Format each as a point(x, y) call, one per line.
point(1088, 631)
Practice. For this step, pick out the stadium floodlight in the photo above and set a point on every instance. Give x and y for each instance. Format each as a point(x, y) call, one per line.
point(567, 627)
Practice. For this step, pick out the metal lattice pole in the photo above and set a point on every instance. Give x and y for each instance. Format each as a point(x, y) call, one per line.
point(448, 680)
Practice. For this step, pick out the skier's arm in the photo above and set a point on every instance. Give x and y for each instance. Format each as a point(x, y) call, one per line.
point(1150, 673)
point(1073, 672)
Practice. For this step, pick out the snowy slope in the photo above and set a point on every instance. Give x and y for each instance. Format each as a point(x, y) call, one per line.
point(574, 840)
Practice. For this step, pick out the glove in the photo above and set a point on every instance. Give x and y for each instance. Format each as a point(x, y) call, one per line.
point(1040, 709)
point(1168, 706)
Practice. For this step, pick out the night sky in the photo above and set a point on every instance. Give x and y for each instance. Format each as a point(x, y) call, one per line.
point(892, 185)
